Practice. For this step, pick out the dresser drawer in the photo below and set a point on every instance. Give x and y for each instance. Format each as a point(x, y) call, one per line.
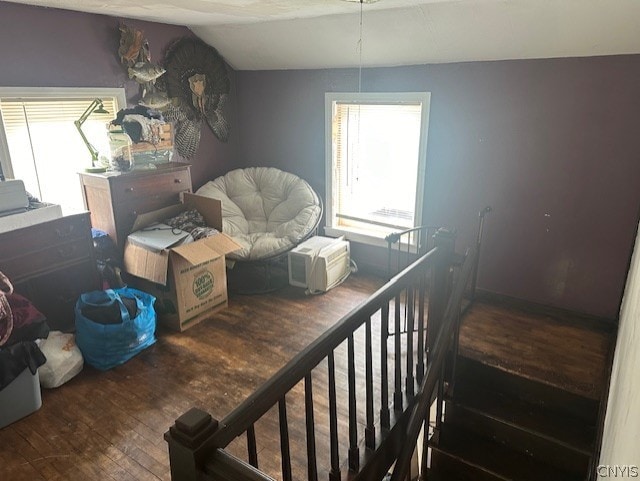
point(34, 238)
point(51, 264)
point(127, 188)
point(49, 257)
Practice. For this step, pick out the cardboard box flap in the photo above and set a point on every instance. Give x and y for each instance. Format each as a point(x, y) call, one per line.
point(146, 264)
point(148, 218)
point(206, 249)
point(222, 243)
point(211, 209)
point(195, 252)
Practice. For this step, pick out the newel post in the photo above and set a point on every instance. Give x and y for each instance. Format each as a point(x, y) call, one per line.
point(440, 284)
point(186, 439)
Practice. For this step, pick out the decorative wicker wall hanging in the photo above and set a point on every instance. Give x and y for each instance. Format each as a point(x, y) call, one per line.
point(197, 83)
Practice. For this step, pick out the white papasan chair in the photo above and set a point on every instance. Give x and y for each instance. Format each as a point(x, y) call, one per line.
point(265, 210)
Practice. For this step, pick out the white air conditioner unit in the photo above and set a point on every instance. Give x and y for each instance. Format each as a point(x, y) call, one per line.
point(319, 263)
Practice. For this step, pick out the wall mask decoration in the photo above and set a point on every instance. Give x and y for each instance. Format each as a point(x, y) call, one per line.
point(197, 83)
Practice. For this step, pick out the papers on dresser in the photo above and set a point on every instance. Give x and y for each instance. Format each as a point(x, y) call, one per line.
point(158, 237)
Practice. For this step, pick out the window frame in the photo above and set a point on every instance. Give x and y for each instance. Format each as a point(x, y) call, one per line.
point(383, 98)
point(51, 92)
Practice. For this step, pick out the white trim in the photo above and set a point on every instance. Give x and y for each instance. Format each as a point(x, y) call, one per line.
point(48, 92)
point(5, 158)
point(51, 92)
point(328, 159)
point(424, 98)
point(355, 236)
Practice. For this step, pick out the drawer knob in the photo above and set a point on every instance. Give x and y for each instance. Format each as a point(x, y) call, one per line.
point(129, 189)
point(177, 181)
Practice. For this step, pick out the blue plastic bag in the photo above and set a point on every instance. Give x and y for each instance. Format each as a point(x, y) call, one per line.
point(105, 346)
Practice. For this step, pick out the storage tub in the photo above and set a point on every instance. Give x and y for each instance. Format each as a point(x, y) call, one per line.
point(20, 398)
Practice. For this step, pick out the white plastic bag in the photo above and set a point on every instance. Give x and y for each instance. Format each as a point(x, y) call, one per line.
point(64, 359)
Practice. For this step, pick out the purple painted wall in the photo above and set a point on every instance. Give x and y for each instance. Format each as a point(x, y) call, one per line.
point(552, 145)
point(44, 47)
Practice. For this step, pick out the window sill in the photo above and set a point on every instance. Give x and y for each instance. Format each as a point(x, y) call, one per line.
point(358, 235)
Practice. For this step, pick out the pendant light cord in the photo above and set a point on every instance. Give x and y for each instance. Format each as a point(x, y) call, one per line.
point(360, 51)
point(357, 158)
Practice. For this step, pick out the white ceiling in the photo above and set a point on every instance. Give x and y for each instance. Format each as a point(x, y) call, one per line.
point(300, 34)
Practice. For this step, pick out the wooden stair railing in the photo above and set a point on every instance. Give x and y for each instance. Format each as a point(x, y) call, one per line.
point(438, 374)
point(404, 247)
point(198, 444)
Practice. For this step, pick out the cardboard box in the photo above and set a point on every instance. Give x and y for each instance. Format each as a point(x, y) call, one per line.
point(189, 281)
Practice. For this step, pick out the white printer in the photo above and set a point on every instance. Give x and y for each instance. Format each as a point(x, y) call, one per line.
point(13, 197)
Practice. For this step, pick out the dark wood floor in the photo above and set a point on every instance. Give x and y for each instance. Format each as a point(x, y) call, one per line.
point(109, 426)
point(560, 349)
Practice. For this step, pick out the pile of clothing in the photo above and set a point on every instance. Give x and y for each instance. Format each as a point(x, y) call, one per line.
point(141, 124)
point(21, 324)
point(192, 222)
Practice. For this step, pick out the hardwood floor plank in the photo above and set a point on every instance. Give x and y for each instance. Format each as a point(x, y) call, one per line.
point(16, 468)
point(45, 439)
point(109, 426)
point(559, 350)
point(14, 442)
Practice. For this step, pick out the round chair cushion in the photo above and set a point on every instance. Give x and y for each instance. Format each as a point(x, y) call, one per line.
point(265, 210)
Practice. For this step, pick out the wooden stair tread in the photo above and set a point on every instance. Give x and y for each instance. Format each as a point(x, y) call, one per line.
point(433, 475)
point(559, 350)
point(493, 458)
point(561, 428)
point(474, 376)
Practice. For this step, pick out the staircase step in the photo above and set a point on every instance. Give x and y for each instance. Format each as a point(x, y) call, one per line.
point(435, 476)
point(472, 376)
point(531, 441)
point(463, 455)
point(560, 428)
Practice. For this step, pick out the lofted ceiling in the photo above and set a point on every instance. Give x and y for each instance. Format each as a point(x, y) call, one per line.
point(303, 34)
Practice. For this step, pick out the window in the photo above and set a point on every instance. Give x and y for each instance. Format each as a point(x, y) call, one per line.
point(40, 145)
point(376, 151)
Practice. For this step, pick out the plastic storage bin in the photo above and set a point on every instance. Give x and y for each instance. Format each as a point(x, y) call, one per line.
point(120, 150)
point(20, 398)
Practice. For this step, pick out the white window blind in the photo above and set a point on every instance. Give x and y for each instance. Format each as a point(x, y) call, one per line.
point(377, 162)
point(46, 150)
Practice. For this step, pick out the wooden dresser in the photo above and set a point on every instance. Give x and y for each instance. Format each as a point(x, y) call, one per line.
point(116, 198)
point(51, 264)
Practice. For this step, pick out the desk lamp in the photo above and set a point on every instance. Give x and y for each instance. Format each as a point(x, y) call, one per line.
point(94, 106)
